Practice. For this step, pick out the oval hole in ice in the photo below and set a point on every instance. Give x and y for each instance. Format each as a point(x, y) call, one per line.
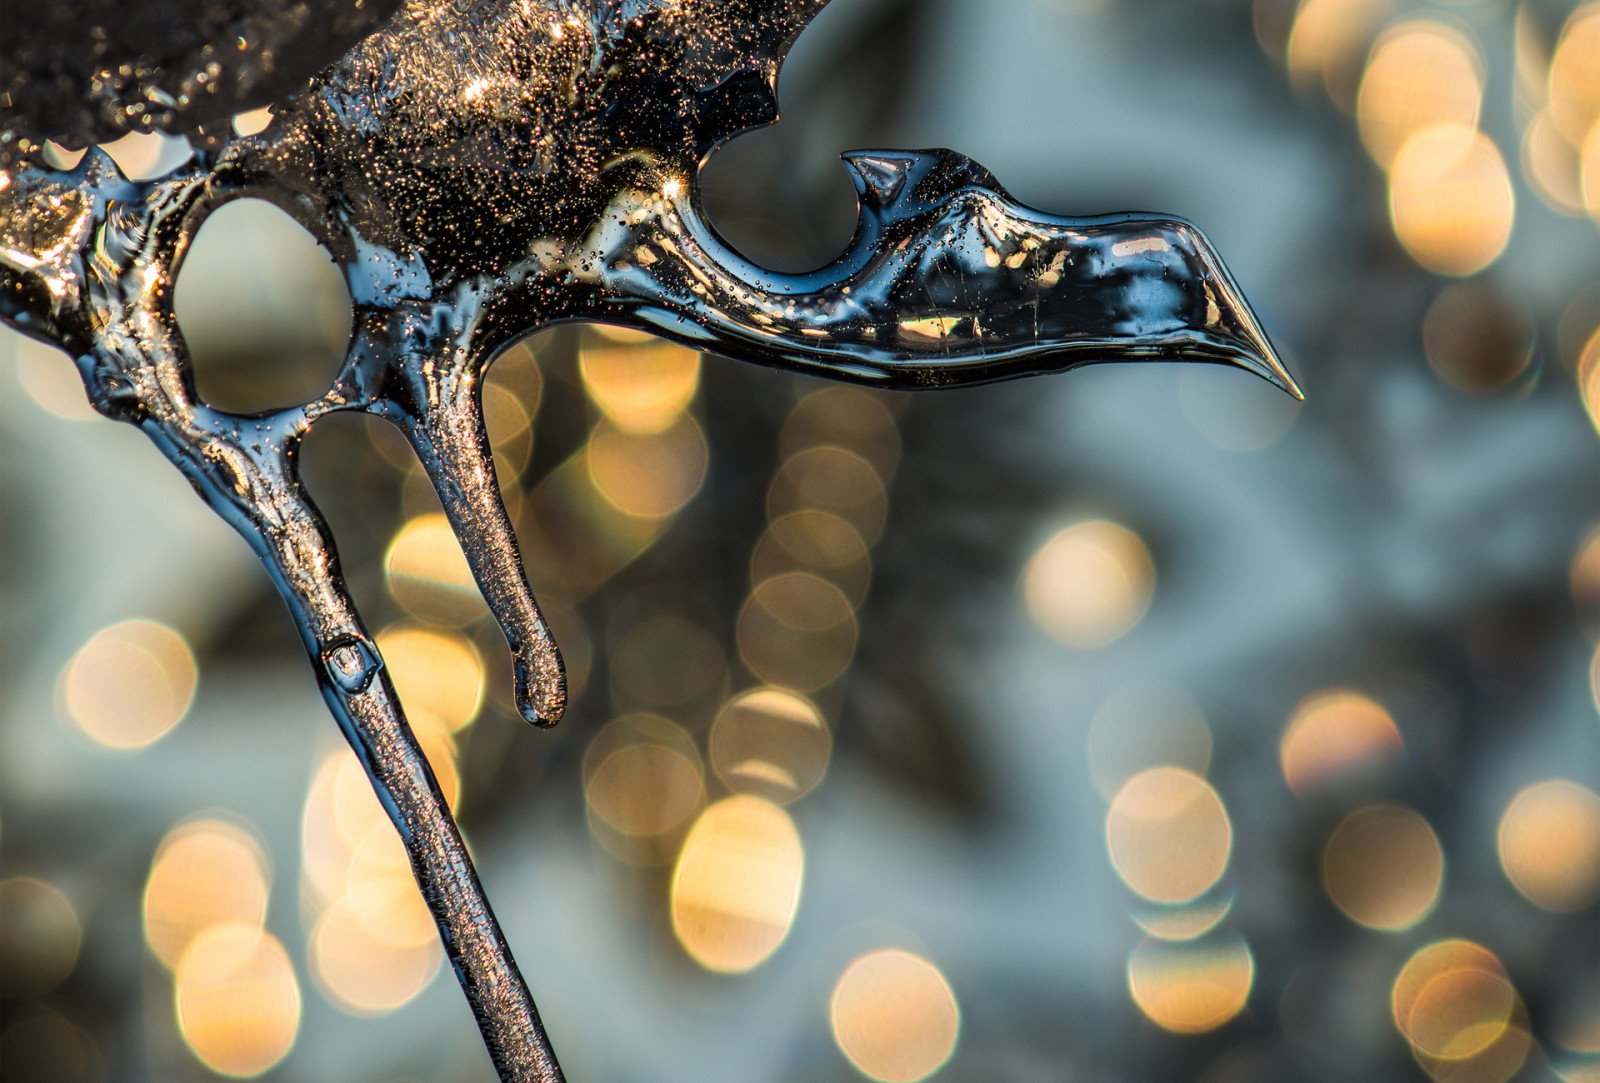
point(263, 309)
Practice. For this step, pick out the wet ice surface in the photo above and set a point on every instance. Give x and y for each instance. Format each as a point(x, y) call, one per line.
point(1258, 564)
point(480, 172)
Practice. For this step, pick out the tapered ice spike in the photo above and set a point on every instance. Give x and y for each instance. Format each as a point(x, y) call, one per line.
point(453, 445)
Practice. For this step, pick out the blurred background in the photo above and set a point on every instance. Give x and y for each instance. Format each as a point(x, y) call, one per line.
point(1137, 724)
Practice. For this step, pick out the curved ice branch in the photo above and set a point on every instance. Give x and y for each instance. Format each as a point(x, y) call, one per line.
point(948, 281)
point(94, 274)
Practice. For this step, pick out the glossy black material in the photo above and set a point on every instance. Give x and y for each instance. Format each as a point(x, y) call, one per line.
point(483, 169)
point(86, 71)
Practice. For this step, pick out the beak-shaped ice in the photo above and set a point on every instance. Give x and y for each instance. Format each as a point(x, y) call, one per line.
point(949, 281)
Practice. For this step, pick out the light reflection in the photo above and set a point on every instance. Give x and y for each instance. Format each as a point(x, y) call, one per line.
point(436, 672)
point(1549, 842)
point(1420, 72)
point(1090, 584)
point(1477, 337)
point(797, 631)
point(1588, 374)
point(1168, 834)
point(1589, 172)
point(1194, 987)
point(205, 873)
point(130, 684)
point(895, 1016)
point(383, 895)
point(817, 542)
point(1450, 199)
point(643, 783)
point(831, 479)
point(39, 937)
point(253, 122)
point(1585, 580)
point(1383, 867)
point(641, 388)
point(1328, 38)
point(1146, 725)
point(509, 427)
point(737, 884)
point(1575, 74)
point(146, 155)
point(648, 476)
point(573, 537)
point(771, 743)
point(1337, 738)
point(373, 944)
point(1183, 922)
point(846, 417)
point(238, 1002)
point(1452, 998)
point(1551, 165)
point(428, 574)
point(361, 973)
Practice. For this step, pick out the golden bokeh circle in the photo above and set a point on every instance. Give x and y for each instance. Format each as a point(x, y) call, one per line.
point(361, 973)
point(648, 475)
point(835, 480)
point(1168, 834)
point(1327, 40)
point(1451, 199)
point(41, 1045)
point(1452, 999)
point(383, 895)
point(645, 789)
point(206, 872)
point(736, 886)
point(1383, 866)
point(1549, 843)
point(435, 671)
point(428, 574)
point(510, 430)
point(1089, 584)
point(237, 999)
point(1420, 72)
point(643, 784)
point(894, 1016)
point(1551, 165)
point(770, 742)
point(818, 542)
point(641, 387)
point(130, 684)
point(1191, 988)
point(1336, 738)
point(1584, 579)
point(797, 631)
point(846, 417)
point(1575, 74)
point(1588, 375)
